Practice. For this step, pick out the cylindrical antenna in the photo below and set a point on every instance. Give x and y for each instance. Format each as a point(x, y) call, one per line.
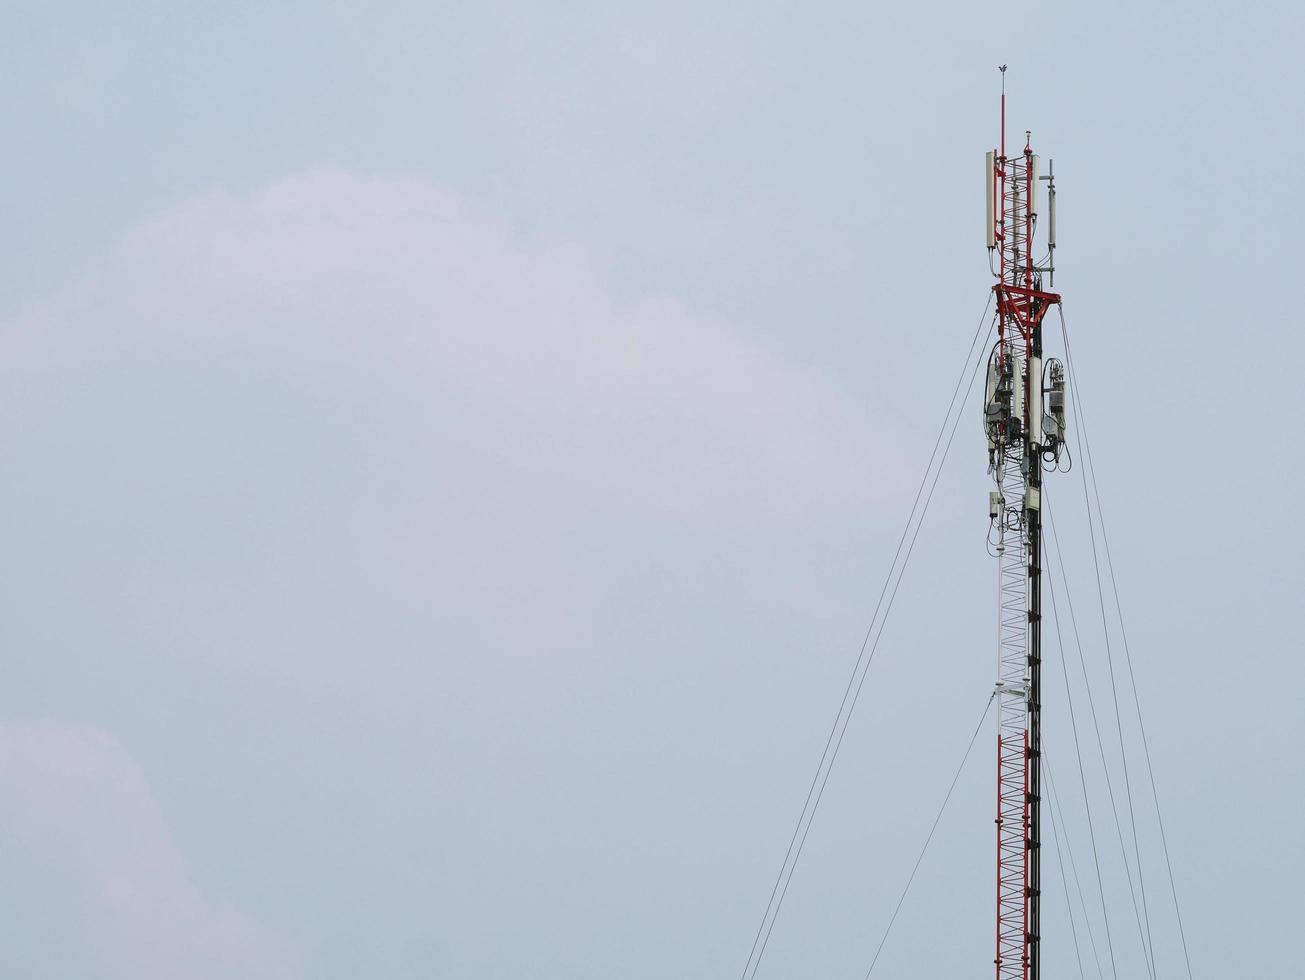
point(990, 171)
point(1051, 221)
point(1051, 203)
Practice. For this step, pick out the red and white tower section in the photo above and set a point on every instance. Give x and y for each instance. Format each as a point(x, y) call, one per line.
point(1024, 418)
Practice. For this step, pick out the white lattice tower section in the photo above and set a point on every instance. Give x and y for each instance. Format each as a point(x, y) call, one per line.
point(1014, 177)
point(1012, 720)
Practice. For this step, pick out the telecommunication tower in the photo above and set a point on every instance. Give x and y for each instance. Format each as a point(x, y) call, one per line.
point(1024, 418)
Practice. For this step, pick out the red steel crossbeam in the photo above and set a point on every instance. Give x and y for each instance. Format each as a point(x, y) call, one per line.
point(1025, 305)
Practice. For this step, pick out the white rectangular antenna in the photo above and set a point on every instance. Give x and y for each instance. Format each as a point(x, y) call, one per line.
point(1033, 184)
point(991, 171)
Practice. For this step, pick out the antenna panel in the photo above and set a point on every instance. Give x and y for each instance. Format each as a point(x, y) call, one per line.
point(990, 170)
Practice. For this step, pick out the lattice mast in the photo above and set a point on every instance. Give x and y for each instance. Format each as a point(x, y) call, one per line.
point(1023, 438)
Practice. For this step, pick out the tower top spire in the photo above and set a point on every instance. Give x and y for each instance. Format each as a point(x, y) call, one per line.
point(1002, 69)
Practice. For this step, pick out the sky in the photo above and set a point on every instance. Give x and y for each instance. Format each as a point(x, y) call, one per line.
point(452, 452)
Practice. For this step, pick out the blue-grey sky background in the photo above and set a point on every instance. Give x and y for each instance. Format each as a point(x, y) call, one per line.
point(451, 453)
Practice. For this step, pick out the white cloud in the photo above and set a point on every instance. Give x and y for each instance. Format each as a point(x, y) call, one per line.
point(73, 793)
point(546, 405)
point(646, 409)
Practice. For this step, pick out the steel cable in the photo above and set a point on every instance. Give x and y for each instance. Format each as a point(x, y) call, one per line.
point(1148, 949)
point(1128, 656)
point(1078, 752)
point(1060, 863)
point(853, 690)
point(937, 817)
point(1101, 745)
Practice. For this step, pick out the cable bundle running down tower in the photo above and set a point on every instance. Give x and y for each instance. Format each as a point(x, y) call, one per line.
point(1024, 418)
